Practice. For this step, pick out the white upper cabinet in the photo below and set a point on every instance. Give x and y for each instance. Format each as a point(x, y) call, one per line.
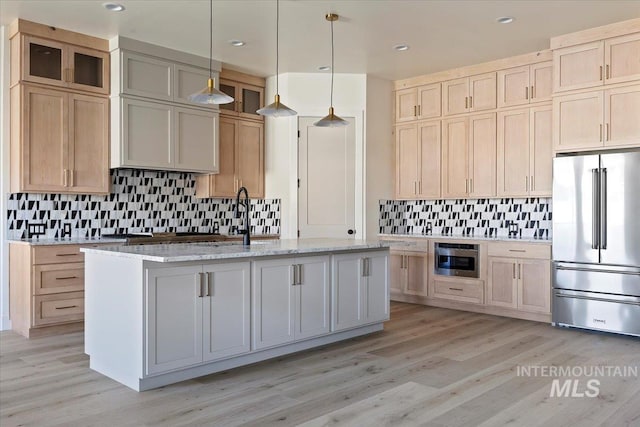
point(146, 76)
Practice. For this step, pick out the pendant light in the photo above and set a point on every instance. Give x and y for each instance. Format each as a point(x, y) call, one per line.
point(277, 108)
point(210, 95)
point(331, 120)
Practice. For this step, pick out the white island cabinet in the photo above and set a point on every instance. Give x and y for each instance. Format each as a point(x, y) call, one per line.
point(160, 314)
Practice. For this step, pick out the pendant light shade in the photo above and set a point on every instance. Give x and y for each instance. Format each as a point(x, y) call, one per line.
point(331, 120)
point(277, 108)
point(210, 95)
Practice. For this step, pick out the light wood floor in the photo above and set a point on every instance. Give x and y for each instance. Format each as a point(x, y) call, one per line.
point(430, 366)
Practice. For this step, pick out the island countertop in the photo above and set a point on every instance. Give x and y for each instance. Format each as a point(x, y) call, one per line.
point(180, 252)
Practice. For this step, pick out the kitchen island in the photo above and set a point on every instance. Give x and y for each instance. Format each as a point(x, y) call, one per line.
point(159, 314)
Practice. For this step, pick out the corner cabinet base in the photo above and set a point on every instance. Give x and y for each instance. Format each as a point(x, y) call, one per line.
point(142, 384)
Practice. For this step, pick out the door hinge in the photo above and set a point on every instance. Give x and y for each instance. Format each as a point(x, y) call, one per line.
point(298, 233)
point(298, 134)
point(298, 182)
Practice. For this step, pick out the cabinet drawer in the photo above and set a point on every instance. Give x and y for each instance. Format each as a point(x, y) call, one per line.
point(55, 278)
point(58, 308)
point(57, 254)
point(520, 250)
point(464, 291)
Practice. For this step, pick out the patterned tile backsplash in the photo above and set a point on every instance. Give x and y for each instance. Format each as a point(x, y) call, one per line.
point(471, 217)
point(140, 201)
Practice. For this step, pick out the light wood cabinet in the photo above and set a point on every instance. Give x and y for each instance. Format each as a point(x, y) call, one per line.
point(290, 300)
point(59, 141)
point(457, 289)
point(196, 314)
point(423, 102)
point(468, 94)
point(597, 63)
point(409, 274)
point(524, 85)
point(360, 289)
point(469, 156)
point(55, 63)
point(47, 289)
point(524, 152)
point(519, 277)
point(247, 92)
point(418, 161)
point(241, 161)
point(595, 119)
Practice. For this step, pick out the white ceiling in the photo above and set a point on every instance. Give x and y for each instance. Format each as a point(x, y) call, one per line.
point(442, 34)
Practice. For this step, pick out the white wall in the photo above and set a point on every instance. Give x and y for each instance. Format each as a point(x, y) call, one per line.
point(4, 178)
point(308, 94)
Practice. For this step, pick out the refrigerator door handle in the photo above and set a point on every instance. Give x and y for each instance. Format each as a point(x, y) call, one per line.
point(598, 270)
point(595, 206)
point(594, 298)
point(603, 208)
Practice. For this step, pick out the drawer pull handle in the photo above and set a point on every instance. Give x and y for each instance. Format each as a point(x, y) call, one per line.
point(66, 277)
point(456, 289)
point(65, 307)
point(66, 254)
point(517, 250)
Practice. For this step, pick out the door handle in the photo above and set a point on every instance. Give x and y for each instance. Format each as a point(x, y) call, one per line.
point(294, 273)
point(415, 187)
point(607, 72)
point(470, 101)
point(466, 102)
point(526, 92)
point(415, 111)
point(532, 92)
point(466, 186)
point(595, 212)
point(64, 178)
point(600, 132)
point(72, 178)
point(209, 286)
point(200, 285)
point(601, 72)
point(603, 208)
point(519, 271)
point(526, 183)
point(514, 270)
point(607, 135)
point(300, 272)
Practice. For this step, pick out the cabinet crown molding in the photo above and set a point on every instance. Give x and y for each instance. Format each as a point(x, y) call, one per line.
point(595, 34)
point(53, 33)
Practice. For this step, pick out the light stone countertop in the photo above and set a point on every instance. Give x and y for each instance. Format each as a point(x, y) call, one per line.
point(66, 241)
point(180, 252)
point(460, 237)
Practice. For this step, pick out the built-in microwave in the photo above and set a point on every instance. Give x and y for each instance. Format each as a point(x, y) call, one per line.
point(456, 259)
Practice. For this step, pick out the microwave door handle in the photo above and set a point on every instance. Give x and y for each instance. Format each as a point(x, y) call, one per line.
point(595, 209)
point(603, 208)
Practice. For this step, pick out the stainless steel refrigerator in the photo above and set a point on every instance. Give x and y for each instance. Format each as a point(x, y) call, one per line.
point(596, 242)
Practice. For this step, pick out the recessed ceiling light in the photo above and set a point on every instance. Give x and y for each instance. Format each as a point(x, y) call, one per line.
point(236, 43)
point(324, 68)
point(505, 19)
point(113, 7)
point(401, 47)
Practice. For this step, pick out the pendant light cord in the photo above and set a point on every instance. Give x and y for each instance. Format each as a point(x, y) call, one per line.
point(210, 38)
point(331, 103)
point(277, 43)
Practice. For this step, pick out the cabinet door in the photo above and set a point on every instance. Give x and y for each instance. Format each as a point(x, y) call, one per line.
point(251, 100)
point(146, 76)
point(189, 80)
point(540, 151)
point(482, 155)
point(398, 275)
point(224, 183)
point(513, 153)
point(406, 161)
point(417, 274)
point(226, 310)
point(482, 92)
point(455, 96)
point(534, 285)
point(406, 105)
point(622, 116)
point(455, 162)
point(147, 129)
point(621, 58)
point(174, 318)
point(429, 101)
point(89, 144)
point(577, 120)
point(250, 157)
point(89, 69)
point(232, 89)
point(428, 158)
point(44, 61)
point(312, 297)
point(45, 127)
point(502, 290)
point(273, 303)
point(513, 86)
point(346, 292)
point(376, 306)
point(541, 81)
point(195, 145)
point(578, 67)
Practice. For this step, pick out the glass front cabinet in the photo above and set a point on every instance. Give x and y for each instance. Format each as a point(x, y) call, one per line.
point(59, 64)
point(247, 99)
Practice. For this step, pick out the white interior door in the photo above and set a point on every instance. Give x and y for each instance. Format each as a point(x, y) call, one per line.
point(326, 186)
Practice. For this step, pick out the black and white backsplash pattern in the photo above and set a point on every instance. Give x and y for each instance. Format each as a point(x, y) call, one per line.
point(140, 201)
point(530, 218)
